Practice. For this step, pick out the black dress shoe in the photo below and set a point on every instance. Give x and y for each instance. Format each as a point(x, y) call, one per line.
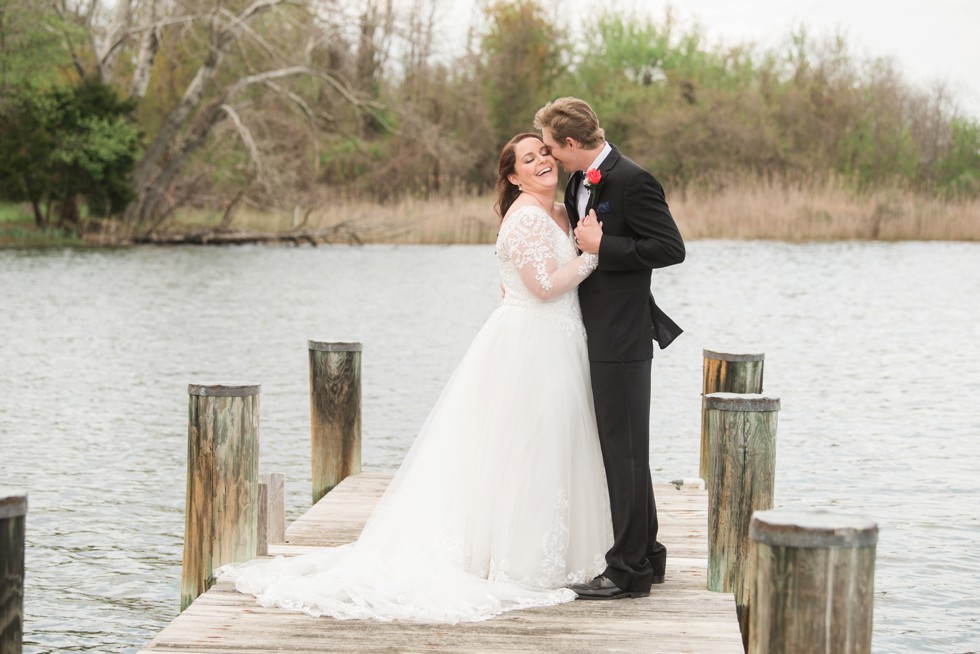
point(603, 588)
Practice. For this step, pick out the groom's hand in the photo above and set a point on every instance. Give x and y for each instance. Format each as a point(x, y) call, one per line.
point(588, 234)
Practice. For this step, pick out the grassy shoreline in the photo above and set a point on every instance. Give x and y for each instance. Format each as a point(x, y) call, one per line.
point(758, 211)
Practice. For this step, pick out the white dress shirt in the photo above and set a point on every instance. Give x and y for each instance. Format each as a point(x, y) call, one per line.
point(582, 199)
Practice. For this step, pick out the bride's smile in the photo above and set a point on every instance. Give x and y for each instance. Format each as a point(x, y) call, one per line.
point(535, 169)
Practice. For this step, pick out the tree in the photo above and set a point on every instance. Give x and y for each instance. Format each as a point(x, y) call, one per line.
point(240, 63)
point(65, 144)
point(96, 151)
point(26, 145)
point(32, 45)
point(958, 170)
point(521, 59)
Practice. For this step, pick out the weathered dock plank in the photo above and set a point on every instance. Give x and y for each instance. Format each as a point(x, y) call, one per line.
point(679, 616)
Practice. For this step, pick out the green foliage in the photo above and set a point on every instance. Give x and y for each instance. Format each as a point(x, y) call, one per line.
point(696, 113)
point(26, 144)
point(350, 159)
point(12, 213)
point(958, 170)
point(521, 58)
point(97, 147)
point(32, 44)
point(24, 237)
point(65, 143)
point(692, 111)
point(678, 106)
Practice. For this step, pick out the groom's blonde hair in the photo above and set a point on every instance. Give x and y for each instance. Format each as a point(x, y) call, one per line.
point(571, 118)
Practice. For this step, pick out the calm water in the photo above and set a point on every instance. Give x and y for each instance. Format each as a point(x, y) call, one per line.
point(873, 348)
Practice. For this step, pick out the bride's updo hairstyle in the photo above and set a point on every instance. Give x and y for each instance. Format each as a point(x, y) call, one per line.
point(507, 192)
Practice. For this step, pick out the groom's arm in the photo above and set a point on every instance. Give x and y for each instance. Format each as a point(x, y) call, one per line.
point(657, 243)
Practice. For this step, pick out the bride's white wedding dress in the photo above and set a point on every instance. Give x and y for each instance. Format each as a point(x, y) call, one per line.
point(502, 500)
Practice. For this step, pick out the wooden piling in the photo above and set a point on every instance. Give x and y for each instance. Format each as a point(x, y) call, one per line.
point(335, 413)
point(742, 437)
point(13, 513)
point(222, 482)
point(271, 522)
point(813, 585)
point(727, 373)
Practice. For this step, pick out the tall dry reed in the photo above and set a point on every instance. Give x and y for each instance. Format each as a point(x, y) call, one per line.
point(757, 209)
point(822, 211)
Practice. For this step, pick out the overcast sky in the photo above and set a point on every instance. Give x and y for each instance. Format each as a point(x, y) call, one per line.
point(931, 40)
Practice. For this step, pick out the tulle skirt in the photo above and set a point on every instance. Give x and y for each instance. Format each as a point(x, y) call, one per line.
point(499, 504)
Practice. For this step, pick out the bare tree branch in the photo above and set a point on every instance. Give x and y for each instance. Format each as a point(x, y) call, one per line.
point(261, 42)
point(311, 115)
point(66, 37)
point(115, 36)
point(316, 119)
point(247, 139)
point(220, 38)
point(149, 46)
point(229, 213)
point(257, 7)
point(201, 127)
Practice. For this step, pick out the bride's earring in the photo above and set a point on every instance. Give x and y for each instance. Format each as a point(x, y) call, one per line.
point(520, 188)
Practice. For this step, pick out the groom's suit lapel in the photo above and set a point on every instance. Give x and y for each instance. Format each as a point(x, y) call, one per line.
point(571, 194)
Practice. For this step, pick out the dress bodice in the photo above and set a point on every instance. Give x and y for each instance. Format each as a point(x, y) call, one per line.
point(540, 266)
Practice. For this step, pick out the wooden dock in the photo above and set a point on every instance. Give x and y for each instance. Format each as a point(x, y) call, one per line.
point(679, 616)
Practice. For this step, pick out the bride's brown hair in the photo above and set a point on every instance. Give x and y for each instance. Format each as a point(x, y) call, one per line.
point(506, 191)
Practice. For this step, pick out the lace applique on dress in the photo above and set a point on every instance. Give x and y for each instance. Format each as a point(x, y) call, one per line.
point(586, 267)
point(540, 266)
point(555, 545)
point(530, 243)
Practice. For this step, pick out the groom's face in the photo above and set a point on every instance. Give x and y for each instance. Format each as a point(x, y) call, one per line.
point(564, 153)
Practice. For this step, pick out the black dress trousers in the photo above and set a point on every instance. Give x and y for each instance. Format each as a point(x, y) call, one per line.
point(621, 390)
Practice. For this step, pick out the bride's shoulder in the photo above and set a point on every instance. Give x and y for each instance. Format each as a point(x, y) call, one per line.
point(524, 214)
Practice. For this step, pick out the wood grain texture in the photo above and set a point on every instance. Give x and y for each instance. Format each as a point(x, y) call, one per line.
point(271, 520)
point(13, 510)
point(813, 584)
point(221, 515)
point(679, 616)
point(743, 469)
point(335, 414)
point(727, 373)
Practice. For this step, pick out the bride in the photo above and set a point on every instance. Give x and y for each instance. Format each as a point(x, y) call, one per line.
point(501, 501)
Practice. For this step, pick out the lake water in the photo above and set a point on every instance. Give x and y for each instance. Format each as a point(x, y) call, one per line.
point(873, 348)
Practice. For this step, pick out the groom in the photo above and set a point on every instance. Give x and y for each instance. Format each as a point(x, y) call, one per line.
point(635, 233)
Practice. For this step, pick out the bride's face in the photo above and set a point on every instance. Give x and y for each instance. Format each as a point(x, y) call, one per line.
point(534, 169)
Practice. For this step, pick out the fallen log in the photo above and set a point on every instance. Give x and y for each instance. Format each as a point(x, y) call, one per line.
point(333, 234)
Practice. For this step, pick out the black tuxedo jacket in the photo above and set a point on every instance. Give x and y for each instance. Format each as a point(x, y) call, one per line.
point(639, 234)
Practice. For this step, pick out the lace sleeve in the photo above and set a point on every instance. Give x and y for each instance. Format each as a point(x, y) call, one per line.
point(529, 243)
